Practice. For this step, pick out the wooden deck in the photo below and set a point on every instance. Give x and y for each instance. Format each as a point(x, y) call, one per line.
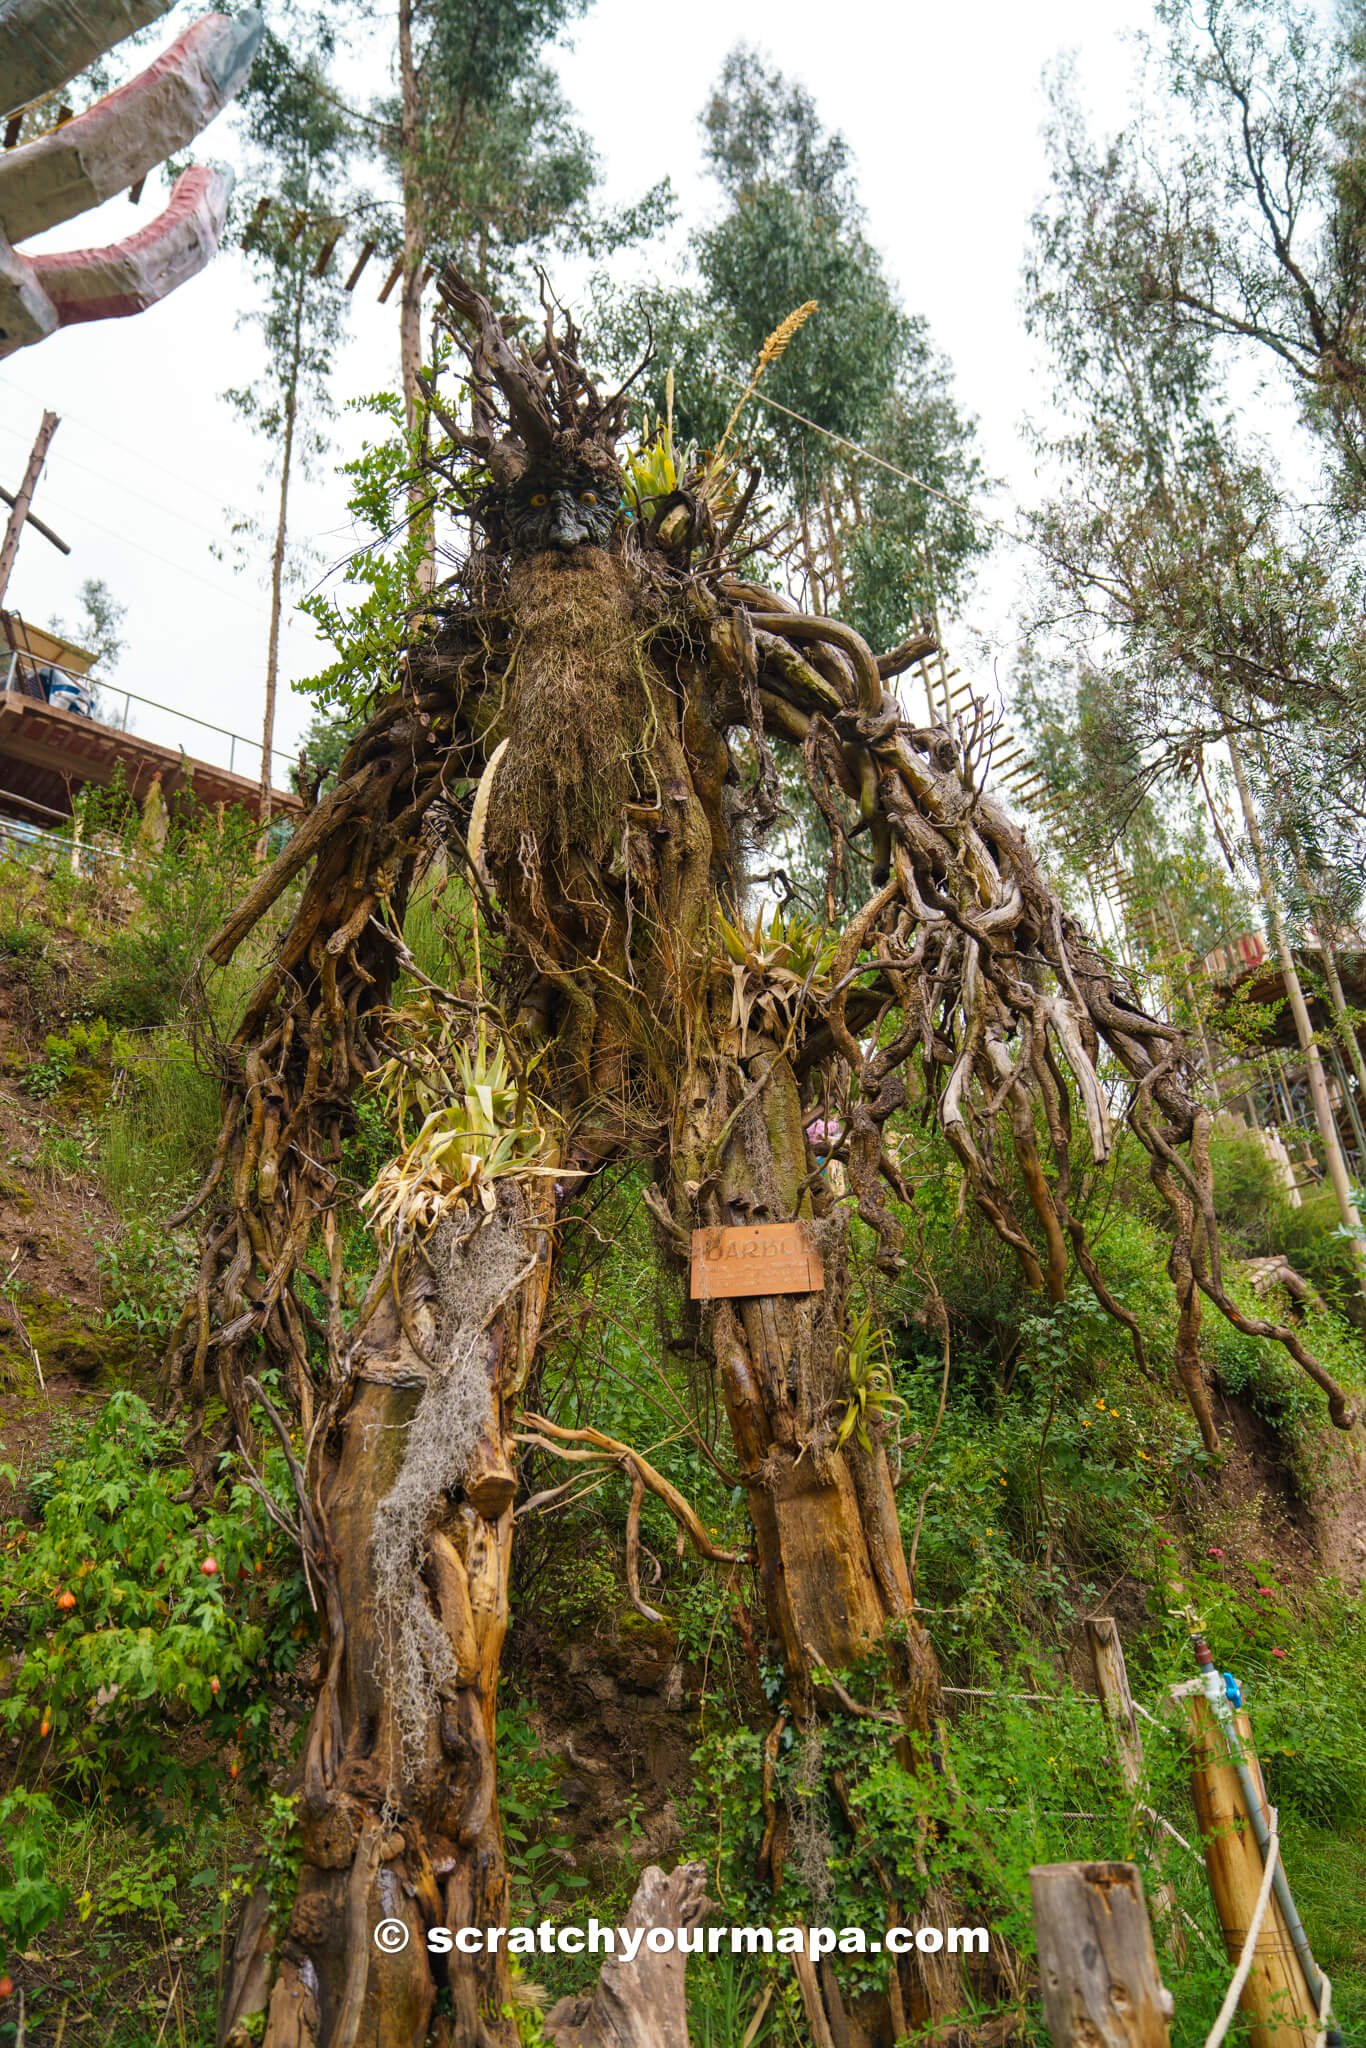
point(47, 756)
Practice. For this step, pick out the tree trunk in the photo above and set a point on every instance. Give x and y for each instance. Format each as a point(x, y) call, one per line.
point(414, 264)
point(1346, 1030)
point(831, 1557)
point(277, 556)
point(640, 2004)
point(1304, 1030)
point(398, 1814)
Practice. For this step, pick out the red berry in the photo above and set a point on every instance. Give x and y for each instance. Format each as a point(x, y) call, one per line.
point(6, 1986)
point(209, 1567)
point(213, 1685)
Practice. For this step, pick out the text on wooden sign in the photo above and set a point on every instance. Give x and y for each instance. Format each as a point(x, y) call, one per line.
point(757, 1258)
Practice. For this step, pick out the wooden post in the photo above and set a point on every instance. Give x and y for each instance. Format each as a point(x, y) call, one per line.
point(1097, 1965)
point(9, 547)
point(1112, 1687)
point(1276, 1998)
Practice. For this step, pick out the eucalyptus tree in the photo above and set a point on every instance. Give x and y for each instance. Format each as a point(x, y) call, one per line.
point(862, 370)
point(300, 144)
point(1213, 614)
point(1240, 210)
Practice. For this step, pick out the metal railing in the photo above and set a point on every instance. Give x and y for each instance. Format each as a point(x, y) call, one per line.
point(104, 692)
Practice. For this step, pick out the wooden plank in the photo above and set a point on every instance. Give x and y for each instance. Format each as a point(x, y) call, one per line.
point(367, 251)
point(754, 1259)
point(1097, 1965)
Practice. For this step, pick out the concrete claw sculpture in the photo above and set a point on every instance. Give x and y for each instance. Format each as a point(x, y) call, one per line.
point(106, 150)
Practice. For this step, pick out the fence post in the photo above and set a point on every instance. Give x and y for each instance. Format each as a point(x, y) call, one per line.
point(1276, 1997)
point(1112, 1686)
point(1097, 1966)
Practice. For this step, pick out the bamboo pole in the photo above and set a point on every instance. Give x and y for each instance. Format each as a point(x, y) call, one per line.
point(1097, 1966)
point(1275, 1998)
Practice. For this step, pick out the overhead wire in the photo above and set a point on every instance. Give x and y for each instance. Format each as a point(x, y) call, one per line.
point(124, 447)
point(1021, 540)
point(70, 512)
point(128, 490)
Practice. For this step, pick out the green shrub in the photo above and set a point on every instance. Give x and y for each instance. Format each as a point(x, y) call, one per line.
point(80, 1063)
point(124, 1639)
point(29, 1898)
point(181, 891)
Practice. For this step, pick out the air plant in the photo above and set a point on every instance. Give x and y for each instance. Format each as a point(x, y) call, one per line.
point(862, 1351)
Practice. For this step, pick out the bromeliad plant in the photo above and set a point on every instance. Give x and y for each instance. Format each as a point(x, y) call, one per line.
point(774, 970)
point(662, 478)
point(480, 1123)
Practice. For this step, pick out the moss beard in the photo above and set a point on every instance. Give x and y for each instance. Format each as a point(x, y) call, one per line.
point(578, 716)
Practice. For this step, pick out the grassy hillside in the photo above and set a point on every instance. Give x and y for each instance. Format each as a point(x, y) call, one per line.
point(157, 1641)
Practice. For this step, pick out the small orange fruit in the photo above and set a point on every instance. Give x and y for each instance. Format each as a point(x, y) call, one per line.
point(209, 1567)
point(213, 1685)
point(6, 1986)
point(66, 1601)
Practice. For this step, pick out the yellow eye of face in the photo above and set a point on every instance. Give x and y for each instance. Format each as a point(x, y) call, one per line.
point(539, 498)
point(588, 497)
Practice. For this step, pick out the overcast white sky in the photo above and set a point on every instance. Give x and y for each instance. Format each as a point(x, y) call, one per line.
point(944, 107)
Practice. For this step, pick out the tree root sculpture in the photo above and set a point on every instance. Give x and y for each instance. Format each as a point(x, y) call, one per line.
point(572, 733)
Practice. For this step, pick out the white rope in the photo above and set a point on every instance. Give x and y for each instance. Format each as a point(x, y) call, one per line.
point(1325, 2007)
point(931, 490)
point(1245, 1960)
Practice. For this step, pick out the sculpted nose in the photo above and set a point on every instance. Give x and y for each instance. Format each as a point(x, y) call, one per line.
point(564, 531)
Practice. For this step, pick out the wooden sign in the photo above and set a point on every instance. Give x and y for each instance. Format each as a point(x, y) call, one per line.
point(759, 1258)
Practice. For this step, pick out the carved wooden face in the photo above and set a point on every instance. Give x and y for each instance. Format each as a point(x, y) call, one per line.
point(555, 509)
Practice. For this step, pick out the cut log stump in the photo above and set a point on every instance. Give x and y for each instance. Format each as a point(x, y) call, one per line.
point(1097, 1965)
point(641, 2004)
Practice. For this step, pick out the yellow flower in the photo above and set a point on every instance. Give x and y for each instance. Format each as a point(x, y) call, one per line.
point(1085, 1422)
point(1101, 1405)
